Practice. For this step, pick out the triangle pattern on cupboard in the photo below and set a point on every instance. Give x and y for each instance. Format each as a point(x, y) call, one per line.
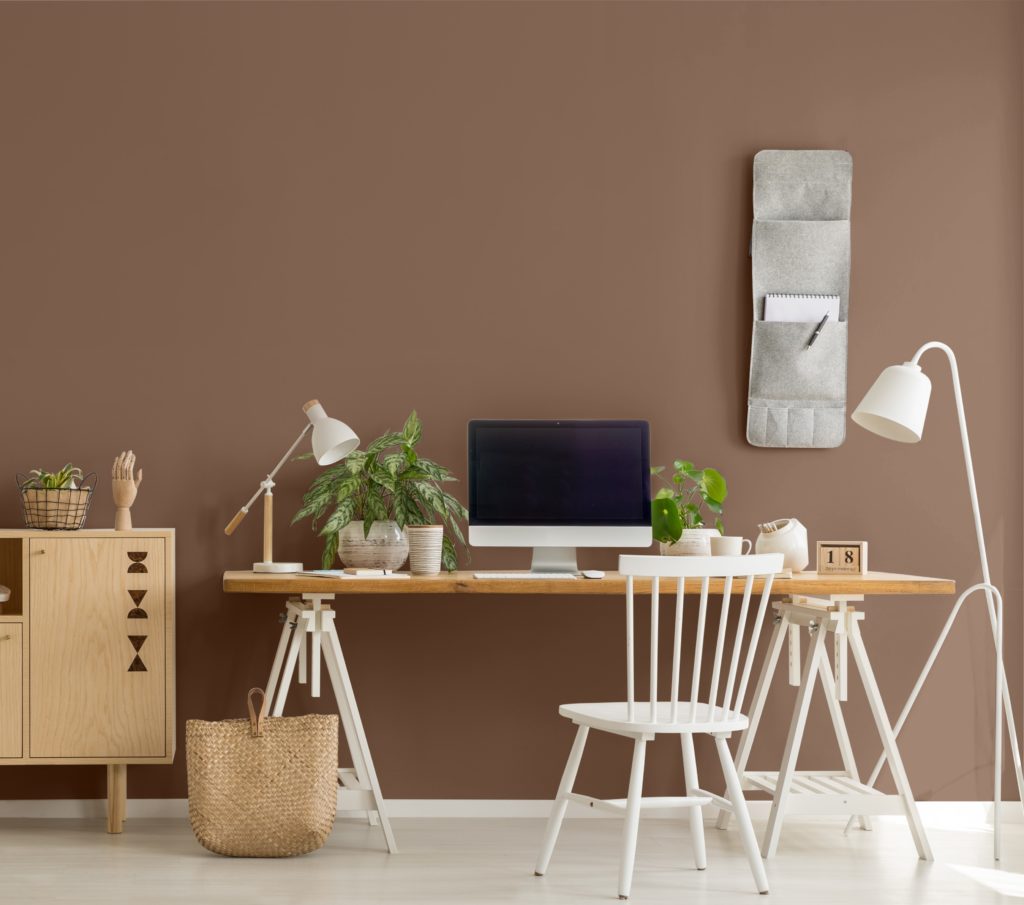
point(137, 665)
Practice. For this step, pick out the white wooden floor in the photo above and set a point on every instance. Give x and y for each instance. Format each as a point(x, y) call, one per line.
point(456, 861)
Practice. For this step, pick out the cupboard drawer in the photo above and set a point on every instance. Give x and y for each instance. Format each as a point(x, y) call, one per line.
point(11, 689)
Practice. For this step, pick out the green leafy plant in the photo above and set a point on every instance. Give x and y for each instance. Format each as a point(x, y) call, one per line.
point(387, 480)
point(38, 479)
point(680, 503)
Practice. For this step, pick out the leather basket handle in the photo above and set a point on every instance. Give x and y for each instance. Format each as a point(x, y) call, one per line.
point(256, 718)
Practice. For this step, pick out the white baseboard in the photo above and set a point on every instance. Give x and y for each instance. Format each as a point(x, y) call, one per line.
point(932, 812)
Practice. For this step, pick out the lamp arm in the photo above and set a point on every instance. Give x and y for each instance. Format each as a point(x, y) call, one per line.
point(267, 483)
point(968, 460)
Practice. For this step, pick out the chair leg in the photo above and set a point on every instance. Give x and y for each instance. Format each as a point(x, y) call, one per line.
point(696, 815)
point(632, 824)
point(572, 765)
point(739, 809)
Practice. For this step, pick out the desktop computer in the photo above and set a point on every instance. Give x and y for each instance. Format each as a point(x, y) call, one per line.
point(558, 485)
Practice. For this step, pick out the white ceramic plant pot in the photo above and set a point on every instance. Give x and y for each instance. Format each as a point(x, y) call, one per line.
point(385, 547)
point(692, 542)
point(788, 537)
point(425, 543)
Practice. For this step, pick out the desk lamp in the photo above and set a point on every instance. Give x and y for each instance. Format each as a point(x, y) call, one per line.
point(332, 441)
point(895, 408)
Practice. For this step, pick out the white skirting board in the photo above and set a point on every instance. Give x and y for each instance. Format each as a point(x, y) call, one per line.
point(934, 812)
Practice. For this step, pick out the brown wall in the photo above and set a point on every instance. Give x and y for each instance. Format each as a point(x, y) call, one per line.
point(211, 213)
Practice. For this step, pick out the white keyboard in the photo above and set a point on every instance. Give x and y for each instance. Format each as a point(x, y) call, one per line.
point(527, 576)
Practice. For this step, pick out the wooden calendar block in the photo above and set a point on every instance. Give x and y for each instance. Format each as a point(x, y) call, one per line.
point(842, 557)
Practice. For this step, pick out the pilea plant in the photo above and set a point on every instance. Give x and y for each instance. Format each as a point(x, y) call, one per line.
point(680, 502)
point(387, 480)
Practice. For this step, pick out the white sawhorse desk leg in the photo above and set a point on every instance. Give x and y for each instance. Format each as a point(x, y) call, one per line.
point(360, 790)
point(828, 791)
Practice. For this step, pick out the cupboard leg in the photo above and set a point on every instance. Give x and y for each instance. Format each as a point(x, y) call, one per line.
point(117, 796)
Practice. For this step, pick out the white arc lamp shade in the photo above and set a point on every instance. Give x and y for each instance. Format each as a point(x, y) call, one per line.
point(897, 404)
point(332, 439)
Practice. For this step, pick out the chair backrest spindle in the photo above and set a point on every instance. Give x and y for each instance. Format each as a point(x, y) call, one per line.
point(699, 648)
point(654, 649)
point(723, 621)
point(677, 647)
point(630, 693)
point(737, 648)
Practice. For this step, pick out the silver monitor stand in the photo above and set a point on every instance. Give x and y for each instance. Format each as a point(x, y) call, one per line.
point(554, 559)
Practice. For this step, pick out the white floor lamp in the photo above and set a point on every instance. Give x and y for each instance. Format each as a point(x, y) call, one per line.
point(895, 408)
point(332, 441)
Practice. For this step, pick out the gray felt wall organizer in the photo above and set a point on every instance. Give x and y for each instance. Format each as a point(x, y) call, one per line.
point(800, 244)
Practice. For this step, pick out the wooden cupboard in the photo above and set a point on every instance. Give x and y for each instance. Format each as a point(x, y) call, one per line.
point(87, 651)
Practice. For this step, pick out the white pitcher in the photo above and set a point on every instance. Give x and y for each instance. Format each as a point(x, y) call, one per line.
point(788, 537)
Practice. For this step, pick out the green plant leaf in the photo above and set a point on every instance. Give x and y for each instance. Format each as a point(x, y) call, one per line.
point(666, 523)
point(434, 471)
point(384, 442)
point(342, 515)
point(449, 555)
point(330, 551)
point(665, 493)
point(394, 464)
point(720, 526)
point(712, 484)
point(453, 526)
point(684, 466)
point(691, 516)
point(413, 429)
point(657, 469)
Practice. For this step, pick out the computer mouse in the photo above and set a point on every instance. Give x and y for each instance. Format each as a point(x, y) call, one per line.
point(592, 573)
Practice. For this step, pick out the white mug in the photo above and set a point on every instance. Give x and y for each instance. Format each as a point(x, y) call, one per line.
point(730, 546)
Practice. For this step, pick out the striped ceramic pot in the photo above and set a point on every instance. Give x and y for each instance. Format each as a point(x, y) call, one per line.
point(425, 548)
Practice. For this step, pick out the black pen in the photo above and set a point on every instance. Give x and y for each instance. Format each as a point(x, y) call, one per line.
point(814, 335)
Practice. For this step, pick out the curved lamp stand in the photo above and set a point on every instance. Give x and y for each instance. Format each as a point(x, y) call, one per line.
point(895, 407)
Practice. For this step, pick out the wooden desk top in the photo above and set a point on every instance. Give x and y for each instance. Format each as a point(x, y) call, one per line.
point(809, 583)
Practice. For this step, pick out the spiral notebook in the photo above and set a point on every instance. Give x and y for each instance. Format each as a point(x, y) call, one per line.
point(800, 308)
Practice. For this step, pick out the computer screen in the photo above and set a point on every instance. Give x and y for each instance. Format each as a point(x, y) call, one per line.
point(559, 473)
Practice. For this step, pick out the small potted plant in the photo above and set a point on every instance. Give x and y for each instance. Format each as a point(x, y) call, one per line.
point(677, 510)
point(55, 500)
point(370, 500)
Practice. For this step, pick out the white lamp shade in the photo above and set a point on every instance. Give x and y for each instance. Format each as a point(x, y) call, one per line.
point(332, 439)
point(897, 404)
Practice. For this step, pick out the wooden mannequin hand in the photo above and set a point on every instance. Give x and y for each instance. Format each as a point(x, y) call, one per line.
point(124, 485)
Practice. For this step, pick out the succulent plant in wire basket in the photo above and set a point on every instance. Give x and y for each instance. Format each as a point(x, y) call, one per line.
point(69, 476)
point(387, 480)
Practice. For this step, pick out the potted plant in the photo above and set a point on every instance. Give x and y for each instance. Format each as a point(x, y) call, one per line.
point(55, 500)
point(677, 510)
point(368, 501)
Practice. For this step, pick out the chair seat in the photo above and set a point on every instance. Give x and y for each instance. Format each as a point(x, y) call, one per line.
point(613, 716)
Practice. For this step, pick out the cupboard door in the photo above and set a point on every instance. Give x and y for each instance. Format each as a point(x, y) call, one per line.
point(97, 670)
point(11, 689)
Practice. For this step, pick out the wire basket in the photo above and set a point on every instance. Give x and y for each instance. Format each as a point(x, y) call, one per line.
point(56, 510)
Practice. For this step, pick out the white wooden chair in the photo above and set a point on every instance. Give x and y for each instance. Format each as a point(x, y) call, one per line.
point(710, 708)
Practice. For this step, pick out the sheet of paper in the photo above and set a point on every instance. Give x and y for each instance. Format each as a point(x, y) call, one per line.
point(800, 308)
point(339, 573)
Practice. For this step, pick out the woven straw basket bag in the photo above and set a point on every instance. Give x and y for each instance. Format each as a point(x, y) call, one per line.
point(265, 787)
